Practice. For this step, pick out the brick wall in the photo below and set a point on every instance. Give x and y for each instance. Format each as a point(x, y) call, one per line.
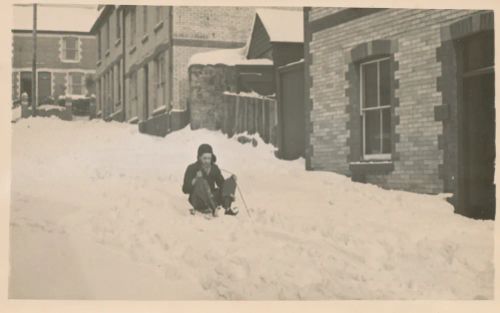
point(48, 48)
point(213, 23)
point(417, 34)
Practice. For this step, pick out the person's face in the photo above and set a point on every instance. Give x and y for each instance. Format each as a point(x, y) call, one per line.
point(206, 159)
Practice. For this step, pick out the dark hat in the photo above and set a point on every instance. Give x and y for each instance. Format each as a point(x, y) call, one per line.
point(206, 148)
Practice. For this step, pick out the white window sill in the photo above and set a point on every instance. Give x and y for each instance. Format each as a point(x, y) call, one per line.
point(132, 49)
point(133, 120)
point(158, 26)
point(145, 38)
point(117, 42)
point(107, 53)
point(377, 157)
point(98, 63)
point(371, 162)
point(160, 110)
point(70, 61)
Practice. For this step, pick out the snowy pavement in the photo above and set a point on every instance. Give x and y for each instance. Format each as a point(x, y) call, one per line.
point(97, 213)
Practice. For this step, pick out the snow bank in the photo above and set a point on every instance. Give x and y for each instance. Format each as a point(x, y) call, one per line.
point(227, 57)
point(16, 114)
point(103, 217)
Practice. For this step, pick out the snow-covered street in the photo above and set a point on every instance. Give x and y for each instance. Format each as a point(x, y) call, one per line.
point(97, 212)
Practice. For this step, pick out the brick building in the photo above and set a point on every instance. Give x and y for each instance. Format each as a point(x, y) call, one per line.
point(404, 99)
point(143, 58)
point(66, 53)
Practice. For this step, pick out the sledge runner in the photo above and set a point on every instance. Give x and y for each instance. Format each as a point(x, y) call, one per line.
point(208, 190)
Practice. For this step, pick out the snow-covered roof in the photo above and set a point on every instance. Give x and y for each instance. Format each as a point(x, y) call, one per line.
point(226, 57)
point(283, 25)
point(66, 18)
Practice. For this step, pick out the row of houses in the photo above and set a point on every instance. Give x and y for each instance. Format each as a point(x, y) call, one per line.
point(66, 58)
point(395, 97)
point(142, 58)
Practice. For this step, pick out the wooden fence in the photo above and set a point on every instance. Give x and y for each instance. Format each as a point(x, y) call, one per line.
point(255, 115)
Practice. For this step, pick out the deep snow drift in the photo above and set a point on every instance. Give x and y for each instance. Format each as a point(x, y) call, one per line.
point(98, 213)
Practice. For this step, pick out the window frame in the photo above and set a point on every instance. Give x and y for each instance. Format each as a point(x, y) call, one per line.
point(118, 85)
point(64, 49)
point(159, 15)
point(108, 36)
point(379, 108)
point(133, 86)
point(161, 81)
point(118, 31)
point(71, 83)
point(99, 45)
point(133, 26)
point(144, 19)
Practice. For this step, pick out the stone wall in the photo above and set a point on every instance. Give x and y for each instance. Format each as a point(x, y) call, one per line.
point(207, 84)
point(215, 105)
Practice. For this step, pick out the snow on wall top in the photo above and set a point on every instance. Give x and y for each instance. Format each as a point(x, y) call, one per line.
point(74, 18)
point(283, 25)
point(226, 57)
point(251, 94)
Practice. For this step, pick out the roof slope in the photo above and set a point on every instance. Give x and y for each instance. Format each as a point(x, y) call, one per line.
point(78, 18)
point(283, 25)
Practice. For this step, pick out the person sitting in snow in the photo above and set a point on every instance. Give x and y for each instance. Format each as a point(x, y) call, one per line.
point(200, 180)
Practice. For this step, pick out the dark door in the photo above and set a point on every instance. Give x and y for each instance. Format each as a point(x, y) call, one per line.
point(477, 139)
point(26, 84)
point(146, 94)
point(291, 102)
point(44, 87)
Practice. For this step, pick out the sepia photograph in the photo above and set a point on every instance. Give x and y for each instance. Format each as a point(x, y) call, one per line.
point(209, 152)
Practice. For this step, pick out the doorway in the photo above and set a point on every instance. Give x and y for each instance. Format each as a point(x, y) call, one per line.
point(44, 87)
point(25, 86)
point(476, 138)
point(146, 94)
point(291, 111)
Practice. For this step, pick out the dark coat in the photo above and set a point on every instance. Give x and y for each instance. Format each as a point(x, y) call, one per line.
point(213, 178)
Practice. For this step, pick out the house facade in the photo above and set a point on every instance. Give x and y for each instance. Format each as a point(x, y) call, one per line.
point(66, 52)
point(153, 46)
point(404, 99)
point(64, 60)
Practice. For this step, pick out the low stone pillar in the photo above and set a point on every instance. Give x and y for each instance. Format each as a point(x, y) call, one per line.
point(26, 110)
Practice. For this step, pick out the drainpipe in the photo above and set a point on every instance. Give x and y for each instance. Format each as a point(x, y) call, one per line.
point(33, 70)
point(171, 55)
point(124, 100)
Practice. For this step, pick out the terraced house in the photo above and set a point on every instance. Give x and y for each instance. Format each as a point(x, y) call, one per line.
point(66, 53)
point(143, 53)
point(404, 99)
